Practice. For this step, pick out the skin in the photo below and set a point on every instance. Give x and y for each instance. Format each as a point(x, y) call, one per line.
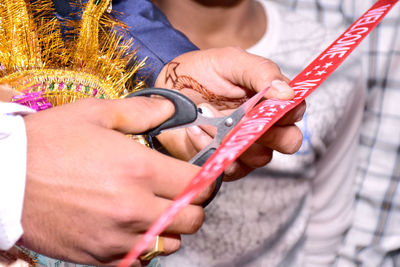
point(219, 23)
point(6, 93)
point(91, 192)
point(239, 23)
point(233, 81)
point(94, 185)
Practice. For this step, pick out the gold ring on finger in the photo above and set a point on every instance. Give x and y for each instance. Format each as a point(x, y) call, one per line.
point(158, 249)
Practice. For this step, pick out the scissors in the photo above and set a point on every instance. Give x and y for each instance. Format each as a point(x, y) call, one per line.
point(188, 114)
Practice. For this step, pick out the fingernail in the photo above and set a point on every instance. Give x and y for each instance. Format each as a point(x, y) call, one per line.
point(281, 86)
point(230, 170)
point(195, 130)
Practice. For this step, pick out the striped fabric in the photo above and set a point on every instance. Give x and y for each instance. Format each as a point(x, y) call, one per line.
point(374, 237)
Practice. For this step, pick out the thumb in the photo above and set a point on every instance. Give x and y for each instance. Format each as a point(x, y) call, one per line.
point(280, 89)
point(132, 115)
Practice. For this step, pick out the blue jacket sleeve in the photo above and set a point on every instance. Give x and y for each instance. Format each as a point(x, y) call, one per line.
point(153, 35)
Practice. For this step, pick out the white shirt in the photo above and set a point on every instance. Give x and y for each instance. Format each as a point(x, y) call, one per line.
point(13, 149)
point(298, 205)
point(374, 237)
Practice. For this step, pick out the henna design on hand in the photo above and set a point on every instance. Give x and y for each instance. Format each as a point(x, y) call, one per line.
point(180, 82)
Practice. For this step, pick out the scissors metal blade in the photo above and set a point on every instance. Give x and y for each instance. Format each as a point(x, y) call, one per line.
point(249, 104)
point(226, 124)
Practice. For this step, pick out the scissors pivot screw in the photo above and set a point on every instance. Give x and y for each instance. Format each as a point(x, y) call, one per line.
point(228, 122)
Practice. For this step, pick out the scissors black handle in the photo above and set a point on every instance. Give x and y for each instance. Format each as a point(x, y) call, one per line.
point(185, 112)
point(199, 162)
point(185, 109)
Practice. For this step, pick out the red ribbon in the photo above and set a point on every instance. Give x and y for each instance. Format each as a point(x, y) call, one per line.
point(262, 117)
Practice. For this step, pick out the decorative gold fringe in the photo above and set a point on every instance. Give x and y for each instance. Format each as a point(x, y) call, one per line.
point(96, 60)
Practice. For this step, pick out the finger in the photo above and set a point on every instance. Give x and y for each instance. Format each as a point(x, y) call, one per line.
point(171, 244)
point(198, 137)
point(201, 136)
point(126, 115)
point(236, 170)
point(179, 178)
point(209, 111)
point(258, 77)
point(285, 139)
point(178, 144)
point(256, 156)
point(151, 176)
point(143, 208)
point(293, 115)
point(111, 254)
point(188, 220)
point(280, 89)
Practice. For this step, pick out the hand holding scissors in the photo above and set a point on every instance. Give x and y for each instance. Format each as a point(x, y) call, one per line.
point(187, 114)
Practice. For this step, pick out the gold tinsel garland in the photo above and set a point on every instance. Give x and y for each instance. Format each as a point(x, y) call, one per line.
point(95, 60)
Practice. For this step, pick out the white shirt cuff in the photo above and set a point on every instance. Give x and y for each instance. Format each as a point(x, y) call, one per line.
point(13, 149)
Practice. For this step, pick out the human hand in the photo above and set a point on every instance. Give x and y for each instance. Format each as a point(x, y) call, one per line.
point(91, 192)
point(224, 78)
